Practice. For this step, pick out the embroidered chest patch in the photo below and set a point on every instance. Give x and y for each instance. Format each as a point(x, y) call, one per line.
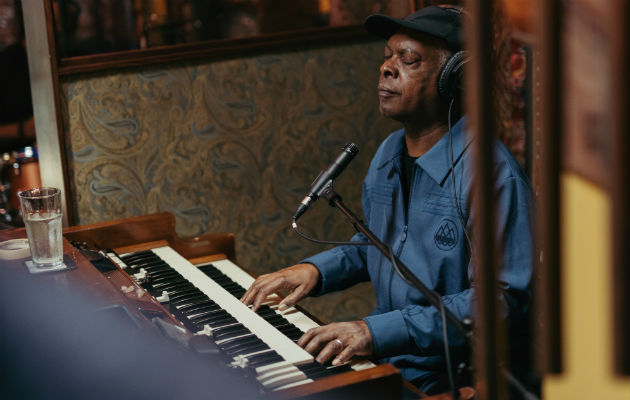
point(446, 235)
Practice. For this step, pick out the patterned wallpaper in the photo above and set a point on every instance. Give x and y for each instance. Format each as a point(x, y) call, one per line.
point(230, 146)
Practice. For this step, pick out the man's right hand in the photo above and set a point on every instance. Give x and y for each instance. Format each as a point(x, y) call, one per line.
point(298, 280)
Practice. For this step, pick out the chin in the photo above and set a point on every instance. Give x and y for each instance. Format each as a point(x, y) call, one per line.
point(387, 112)
point(390, 114)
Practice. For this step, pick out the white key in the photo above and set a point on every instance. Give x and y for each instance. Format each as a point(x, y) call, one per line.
point(293, 384)
point(283, 379)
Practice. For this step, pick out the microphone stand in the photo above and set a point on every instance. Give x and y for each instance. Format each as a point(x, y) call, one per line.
point(463, 327)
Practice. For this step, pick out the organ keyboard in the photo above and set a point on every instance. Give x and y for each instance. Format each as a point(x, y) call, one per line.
point(202, 296)
point(205, 298)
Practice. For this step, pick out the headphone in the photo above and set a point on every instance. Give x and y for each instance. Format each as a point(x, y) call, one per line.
point(450, 79)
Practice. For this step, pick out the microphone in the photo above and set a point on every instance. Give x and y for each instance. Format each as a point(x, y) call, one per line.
point(326, 177)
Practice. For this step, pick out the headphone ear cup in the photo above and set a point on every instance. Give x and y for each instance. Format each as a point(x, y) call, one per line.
point(449, 80)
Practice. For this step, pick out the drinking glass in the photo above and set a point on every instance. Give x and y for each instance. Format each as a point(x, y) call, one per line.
point(41, 212)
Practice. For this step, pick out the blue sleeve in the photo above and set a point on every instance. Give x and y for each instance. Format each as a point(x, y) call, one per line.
point(343, 266)
point(418, 328)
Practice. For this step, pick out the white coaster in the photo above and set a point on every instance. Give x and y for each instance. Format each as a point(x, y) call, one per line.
point(14, 249)
point(34, 269)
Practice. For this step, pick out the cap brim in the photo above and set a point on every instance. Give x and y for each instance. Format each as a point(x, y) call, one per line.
point(439, 26)
point(384, 25)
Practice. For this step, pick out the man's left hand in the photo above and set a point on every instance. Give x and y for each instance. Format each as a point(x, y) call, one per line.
point(340, 339)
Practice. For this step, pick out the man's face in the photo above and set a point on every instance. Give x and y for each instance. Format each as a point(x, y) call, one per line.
point(407, 87)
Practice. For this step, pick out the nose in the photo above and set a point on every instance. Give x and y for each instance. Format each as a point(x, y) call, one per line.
point(388, 69)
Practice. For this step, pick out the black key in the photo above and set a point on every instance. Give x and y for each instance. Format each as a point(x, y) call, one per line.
point(241, 344)
point(166, 284)
point(217, 324)
point(199, 301)
point(230, 334)
point(158, 276)
point(276, 319)
point(255, 362)
point(216, 321)
point(182, 291)
point(231, 286)
point(289, 328)
point(209, 269)
point(176, 297)
point(186, 301)
point(228, 329)
point(210, 316)
point(138, 255)
point(248, 348)
point(228, 344)
point(174, 288)
point(203, 314)
point(199, 309)
point(265, 309)
point(149, 264)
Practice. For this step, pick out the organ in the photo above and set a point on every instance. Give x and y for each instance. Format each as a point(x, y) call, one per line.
point(191, 288)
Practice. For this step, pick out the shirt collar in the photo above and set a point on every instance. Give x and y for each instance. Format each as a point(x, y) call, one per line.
point(437, 161)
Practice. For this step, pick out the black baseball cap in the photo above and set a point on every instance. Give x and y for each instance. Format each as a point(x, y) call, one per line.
point(440, 21)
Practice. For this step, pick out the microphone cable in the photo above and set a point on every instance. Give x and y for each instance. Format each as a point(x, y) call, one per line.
point(460, 214)
point(392, 259)
point(447, 352)
point(311, 239)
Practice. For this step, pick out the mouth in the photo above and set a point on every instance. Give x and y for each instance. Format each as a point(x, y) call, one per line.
point(386, 91)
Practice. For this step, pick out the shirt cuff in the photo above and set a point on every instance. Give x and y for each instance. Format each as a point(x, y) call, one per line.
point(389, 334)
point(320, 261)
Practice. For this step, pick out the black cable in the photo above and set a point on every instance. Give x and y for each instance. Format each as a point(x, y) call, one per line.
point(392, 259)
point(305, 236)
point(457, 205)
point(447, 352)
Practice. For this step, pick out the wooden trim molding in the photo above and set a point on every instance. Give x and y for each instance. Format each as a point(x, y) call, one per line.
point(211, 49)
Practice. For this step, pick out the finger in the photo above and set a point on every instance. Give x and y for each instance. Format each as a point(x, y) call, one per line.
point(307, 336)
point(344, 356)
point(248, 295)
point(319, 341)
point(261, 297)
point(252, 290)
point(251, 294)
point(330, 349)
point(292, 298)
point(263, 290)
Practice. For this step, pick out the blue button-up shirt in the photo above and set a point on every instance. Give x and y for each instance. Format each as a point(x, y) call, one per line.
point(429, 238)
